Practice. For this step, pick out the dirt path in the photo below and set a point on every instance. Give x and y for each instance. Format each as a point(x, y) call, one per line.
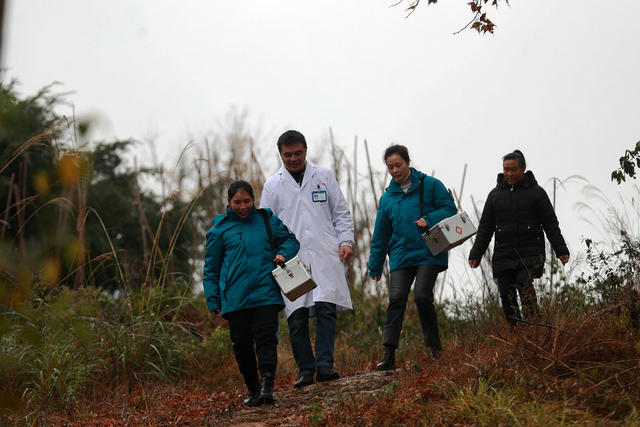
point(186, 405)
point(295, 407)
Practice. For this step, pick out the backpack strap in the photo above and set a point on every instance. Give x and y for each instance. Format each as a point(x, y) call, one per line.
point(267, 225)
point(421, 190)
point(265, 217)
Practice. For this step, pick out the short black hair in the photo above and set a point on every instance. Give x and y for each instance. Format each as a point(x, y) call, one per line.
point(398, 149)
point(291, 137)
point(239, 185)
point(516, 155)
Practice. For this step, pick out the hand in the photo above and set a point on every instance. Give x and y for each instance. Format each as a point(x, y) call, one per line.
point(422, 223)
point(564, 259)
point(279, 259)
point(346, 252)
point(376, 279)
point(474, 263)
point(215, 312)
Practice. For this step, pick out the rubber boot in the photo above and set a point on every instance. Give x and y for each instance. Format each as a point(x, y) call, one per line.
point(388, 362)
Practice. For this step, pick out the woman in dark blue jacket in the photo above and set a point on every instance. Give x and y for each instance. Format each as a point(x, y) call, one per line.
point(238, 282)
point(397, 232)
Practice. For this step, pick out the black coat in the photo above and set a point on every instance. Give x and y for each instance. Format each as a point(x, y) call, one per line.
point(518, 214)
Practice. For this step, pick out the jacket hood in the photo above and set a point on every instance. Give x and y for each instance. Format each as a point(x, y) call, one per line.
point(527, 180)
point(415, 178)
point(230, 218)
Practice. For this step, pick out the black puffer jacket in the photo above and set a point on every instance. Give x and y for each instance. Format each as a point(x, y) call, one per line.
point(518, 214)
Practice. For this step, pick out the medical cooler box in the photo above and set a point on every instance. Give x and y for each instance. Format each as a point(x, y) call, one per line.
point(294, 279)
point(449, 233)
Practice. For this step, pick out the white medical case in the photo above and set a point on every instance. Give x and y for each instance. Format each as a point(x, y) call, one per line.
point(294, 279)
point(449, 233)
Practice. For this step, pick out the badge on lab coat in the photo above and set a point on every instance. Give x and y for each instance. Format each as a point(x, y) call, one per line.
point(319, 196)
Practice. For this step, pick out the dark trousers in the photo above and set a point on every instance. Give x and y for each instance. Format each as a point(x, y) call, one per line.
point(255, 326)
point(399, 287)
point(510, 284)
point(326, 320)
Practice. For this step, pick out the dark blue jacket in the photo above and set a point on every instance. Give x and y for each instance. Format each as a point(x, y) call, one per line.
point(396, 233)
point(239, 260)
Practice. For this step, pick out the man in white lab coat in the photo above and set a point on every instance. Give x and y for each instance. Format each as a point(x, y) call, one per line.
point(307, 198)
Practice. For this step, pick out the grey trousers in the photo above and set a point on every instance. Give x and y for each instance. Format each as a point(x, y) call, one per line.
point(399, 287)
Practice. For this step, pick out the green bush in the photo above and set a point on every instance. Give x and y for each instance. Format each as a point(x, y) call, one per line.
point(57, 349)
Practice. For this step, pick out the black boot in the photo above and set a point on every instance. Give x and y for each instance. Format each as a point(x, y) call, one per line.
point(436, 353)
point(303, 381)
point(253, 396)
point(388, 362)
point(326, 373)
point(266, 390)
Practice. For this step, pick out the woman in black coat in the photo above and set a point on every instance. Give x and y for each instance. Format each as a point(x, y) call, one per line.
point(517, 211)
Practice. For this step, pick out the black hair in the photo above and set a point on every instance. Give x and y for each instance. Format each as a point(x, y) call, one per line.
point(291, 137)
point(516, 155)
point(398, 149)
point(239, 185)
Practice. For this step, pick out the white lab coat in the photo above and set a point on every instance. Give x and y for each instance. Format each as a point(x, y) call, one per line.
point(320, 226)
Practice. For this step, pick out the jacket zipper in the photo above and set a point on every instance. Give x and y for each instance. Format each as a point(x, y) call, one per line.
point(224, 293)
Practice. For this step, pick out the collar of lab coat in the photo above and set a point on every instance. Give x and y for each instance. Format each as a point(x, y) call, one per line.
point(309, 171)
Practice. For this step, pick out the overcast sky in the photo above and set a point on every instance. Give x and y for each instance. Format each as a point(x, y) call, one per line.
point(558, 80)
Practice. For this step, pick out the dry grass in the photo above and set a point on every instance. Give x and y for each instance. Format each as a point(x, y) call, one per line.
point(583, 371)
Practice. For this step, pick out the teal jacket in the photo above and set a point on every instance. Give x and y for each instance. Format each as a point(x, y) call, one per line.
point(396, 233)
point(239, 260)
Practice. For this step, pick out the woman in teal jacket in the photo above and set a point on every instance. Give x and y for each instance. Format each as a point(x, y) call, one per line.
point(399, 224)
point(238, 282)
